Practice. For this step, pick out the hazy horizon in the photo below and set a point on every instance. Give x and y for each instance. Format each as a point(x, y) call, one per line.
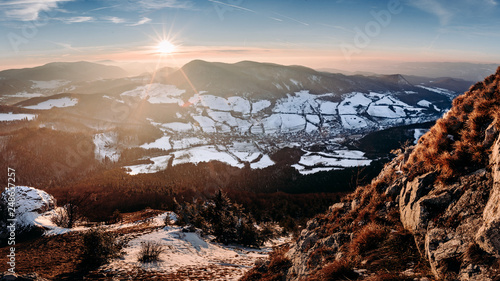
point(345, 35)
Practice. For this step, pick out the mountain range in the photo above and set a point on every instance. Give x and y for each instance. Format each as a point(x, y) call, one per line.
point(240, 114)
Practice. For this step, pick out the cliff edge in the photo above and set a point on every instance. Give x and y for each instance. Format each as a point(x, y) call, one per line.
point(432, 213)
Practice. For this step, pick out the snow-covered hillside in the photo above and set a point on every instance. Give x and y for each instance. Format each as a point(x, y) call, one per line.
point(204, 109)
point(235, 129)
point(185, 253)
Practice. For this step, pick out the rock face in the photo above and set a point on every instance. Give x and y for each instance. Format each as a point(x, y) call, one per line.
point(28, 203)
point(443, 194)
point(16, 277)
point(488, 236)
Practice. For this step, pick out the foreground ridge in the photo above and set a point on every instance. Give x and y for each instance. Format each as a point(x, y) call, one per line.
point(432, 213)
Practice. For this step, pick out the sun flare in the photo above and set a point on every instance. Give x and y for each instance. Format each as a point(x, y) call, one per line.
point(166, 47)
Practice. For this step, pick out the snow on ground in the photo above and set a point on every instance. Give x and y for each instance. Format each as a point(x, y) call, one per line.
point(16, 116)
point(178, 126)
point(308, 171)
point(313, 162)
point(353, 122)
point(353, 103)
point(384, 111)
point(264, 162)
point(210, 101)
point(295, 82)
point(191, 253)
point(29, 203)
point(441, 91)
point(161, 143)
point(106, 146)
point(160, 163)
point(260, 105)
point(419, 133)
point(388, 100)
point(424, 103)
point(329, 107)
point(376, 95)
point(25, 95)
point(283, 123)
point(205, 153)
point(35, 207)
point(45, 85)
point(296, 103)
point(157, 93)
point(48, 104)
point(292, 122)
point(206, 123)
point(239, 104)
point(223, 117)
point(316, 159)
point(185, 143)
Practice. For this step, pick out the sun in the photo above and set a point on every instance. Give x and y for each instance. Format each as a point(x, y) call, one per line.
point(165, 47)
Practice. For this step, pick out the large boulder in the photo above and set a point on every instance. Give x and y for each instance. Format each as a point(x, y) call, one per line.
point(488, 236)
point(28, 203)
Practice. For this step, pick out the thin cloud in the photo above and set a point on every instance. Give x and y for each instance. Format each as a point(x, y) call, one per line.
point(232, 6)
point(144, 20)
point(114, 19)
point(434, 7)
point(67, 46)
point(337, 27)
point(161, 4)
point(455, 10)
point(102, 8)
point(77, 19)
point(28, 10)
point(292, 19)
point(276, 19)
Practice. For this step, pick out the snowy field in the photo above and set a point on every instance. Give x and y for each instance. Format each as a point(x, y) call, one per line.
point(313, 162)
point(105, 146)
point(48, 104)
point(187, 253)
point(299, 112)
point(16, 116)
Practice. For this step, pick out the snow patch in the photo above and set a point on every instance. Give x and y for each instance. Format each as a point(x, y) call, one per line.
point(16, 116)
point(353, 122)
point(161, 143)
point(205, 153)
point(48, 104)
point(424, 103)
point(106, 146)
point(157, 93)
point(160, 163)
point(25, 95)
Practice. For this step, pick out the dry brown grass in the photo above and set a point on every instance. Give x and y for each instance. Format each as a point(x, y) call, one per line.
point(275, 269)
point(337, 270)
point(368, 238)
point(454, 146)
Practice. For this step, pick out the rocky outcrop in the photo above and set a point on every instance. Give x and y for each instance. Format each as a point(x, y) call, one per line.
point(310, 241)
point(444, 192)
point(488, 236)
point(16, 277)
point(23, 204)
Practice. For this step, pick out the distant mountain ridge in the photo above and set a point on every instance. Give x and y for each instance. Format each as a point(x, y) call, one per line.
point(239, 114)
point(72, 71)
point(268, 80)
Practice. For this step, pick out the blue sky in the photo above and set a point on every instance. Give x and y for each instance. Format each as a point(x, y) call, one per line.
point(316, 33)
